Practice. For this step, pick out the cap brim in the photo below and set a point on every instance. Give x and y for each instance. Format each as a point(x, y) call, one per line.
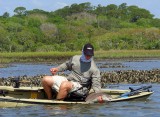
point(89, 53)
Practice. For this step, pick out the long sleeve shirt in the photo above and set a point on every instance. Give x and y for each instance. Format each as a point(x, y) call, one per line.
point(82, 72)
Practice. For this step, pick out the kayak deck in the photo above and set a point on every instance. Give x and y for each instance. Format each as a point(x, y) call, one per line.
point(36, 95)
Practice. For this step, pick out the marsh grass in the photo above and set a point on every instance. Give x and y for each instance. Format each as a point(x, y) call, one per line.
point(128, 54)
point(35, 56)
point(60, 56)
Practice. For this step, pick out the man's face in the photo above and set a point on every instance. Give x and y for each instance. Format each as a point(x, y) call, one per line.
point(88, 57)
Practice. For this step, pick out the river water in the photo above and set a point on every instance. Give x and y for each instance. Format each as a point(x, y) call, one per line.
point(30, 69)
point(141, 108)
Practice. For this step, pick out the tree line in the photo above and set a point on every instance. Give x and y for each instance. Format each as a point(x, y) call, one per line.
point(67, 29)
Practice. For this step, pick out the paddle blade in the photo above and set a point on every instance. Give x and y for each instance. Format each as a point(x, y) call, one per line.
point(99, 97)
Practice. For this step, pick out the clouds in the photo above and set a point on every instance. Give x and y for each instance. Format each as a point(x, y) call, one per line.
point(52, 5)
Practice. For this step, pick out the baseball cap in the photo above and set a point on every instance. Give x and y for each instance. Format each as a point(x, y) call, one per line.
point(88, 49)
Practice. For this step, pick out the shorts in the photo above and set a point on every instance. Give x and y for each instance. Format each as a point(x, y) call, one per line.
point(59, 79)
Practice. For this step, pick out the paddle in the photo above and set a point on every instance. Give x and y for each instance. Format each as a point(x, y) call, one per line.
point(135, 91)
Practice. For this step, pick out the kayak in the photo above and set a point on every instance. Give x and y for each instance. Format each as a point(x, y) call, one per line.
point(36, 95)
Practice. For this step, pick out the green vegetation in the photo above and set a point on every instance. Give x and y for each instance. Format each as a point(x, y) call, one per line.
point(35, 56)
point(108, 27)
point(63, 56)
point(120, 54)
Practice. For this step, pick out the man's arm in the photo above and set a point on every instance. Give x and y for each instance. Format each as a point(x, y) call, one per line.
point(64, 66)
point(96, 81)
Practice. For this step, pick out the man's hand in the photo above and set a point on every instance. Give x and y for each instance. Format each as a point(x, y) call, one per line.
point(54, 70)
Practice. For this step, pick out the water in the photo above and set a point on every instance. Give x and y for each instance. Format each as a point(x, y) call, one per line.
point(25, 69)
point(38, 69)
point(141, 108)
point(132, 65)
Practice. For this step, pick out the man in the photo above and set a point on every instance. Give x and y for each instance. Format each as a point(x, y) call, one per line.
point(83, 69)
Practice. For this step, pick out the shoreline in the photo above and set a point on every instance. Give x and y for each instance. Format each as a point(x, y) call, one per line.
point(24, 57)
point(5, 65)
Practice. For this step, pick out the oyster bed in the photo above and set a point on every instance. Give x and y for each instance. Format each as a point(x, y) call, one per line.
point(108, 77)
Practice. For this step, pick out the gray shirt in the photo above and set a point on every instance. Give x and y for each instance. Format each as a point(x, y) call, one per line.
point(82, 71)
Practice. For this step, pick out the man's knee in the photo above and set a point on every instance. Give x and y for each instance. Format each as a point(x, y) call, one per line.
point(66, 85)
point(44, 79)
point(47, 80)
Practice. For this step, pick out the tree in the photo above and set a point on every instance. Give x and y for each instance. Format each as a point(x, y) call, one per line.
point(5, 15)
point(123, 12)
point(4, 43)
point(85, 7)
point(37, 11)
point(137, 13)
point(155, 22)
point(112, 11)
point(20, 11)
point(100, 10)
point(50, 30)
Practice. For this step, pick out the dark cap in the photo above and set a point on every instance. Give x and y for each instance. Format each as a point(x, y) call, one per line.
point(88, 49)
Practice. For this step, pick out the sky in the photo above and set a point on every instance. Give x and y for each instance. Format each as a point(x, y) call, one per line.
point(52, 5)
